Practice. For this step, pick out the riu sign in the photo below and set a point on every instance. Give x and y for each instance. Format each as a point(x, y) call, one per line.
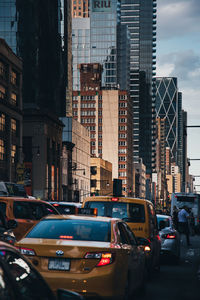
point(101, 5)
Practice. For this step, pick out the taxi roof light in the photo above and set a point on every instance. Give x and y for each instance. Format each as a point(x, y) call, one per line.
point(86, 211)
point(115, 199)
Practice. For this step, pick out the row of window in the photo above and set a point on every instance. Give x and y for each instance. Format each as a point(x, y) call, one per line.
point(14, 76)
point(2, 151)
point(3, 95)
point(3, 123)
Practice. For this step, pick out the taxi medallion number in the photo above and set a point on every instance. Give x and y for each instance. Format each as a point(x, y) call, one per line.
point(61, 264)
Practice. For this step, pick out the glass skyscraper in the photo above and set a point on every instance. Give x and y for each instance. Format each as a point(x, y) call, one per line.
point(37, 32)
point(80, 47)
point(9, 23)
point(168, 104)
point(106, 47)
point(140, 17)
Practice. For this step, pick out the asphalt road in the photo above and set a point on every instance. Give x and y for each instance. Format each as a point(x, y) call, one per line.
point(177, 282)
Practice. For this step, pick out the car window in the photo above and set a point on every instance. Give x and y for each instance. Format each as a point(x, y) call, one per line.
point(131, 235)
point(165, 221)
point(49, 210)
point(123, 234)
point(100, 205)
point(3, 207)
point(6, 289)
point(82, 230)
point(30, 284)
point(22, 210)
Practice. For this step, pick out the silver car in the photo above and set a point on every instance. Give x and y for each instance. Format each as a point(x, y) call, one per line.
point(170, 238)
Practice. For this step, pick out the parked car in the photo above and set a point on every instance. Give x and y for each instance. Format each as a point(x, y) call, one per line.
point(20, 280)
point(170, 238)
point(25, 211)
point(68, 208)
point(94, 256)
point(139, 214)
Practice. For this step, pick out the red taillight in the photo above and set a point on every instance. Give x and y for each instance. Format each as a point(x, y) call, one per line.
point(114, 199)
point(105, 258)
point(169, 236)
point(55, 204)
point(158, 237)
point(26, 251)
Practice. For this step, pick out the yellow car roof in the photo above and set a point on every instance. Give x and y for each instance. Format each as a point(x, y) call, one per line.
point(79, 217)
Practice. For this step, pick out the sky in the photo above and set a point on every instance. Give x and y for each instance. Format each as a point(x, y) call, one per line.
point(178, 55)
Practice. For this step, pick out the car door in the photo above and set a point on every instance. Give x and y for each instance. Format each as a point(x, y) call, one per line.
point(24, 216)
point(131, 250)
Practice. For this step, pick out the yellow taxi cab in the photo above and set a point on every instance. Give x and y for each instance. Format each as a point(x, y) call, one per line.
point(27, 212)
point(139, 214)
point(94, 256)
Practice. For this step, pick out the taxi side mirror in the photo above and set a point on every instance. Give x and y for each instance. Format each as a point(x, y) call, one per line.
point(12, 224)
point(63, 294)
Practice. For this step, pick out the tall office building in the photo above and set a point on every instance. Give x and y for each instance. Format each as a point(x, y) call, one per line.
point(140, 17)
point(109, 41)
point(167, 107)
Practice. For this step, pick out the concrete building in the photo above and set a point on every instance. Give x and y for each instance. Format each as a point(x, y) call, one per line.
point(75, 161)
point(10, 114)
point(100, 177)
point(108, 115)
point(140, 170)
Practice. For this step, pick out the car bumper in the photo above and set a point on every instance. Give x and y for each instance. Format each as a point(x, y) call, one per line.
point(100, 282)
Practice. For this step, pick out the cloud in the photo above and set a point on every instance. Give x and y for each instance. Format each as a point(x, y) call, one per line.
point(177, 18)
point(184, 65)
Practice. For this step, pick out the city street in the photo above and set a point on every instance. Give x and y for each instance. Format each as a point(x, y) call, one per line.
point(180, 281)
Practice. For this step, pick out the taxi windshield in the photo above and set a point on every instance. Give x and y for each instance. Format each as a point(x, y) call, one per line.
point(81, 230)
point(129, 212)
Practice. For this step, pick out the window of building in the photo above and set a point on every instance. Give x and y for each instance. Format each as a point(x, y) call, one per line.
point(100, 128)
point(122, 143)
point(13, 153)
point(13, 77)
point(2, 122)
point(13, 126)
point(2, 69)
point(92, 143)
point(13, 98)
point(2, 149)
point(122, 166)
point(122, 151)
point(122, 120)
point(100, 143)
point(100, 120)
point(122, 158)
point(123, 112)
point(122, 135)
point(2, 92)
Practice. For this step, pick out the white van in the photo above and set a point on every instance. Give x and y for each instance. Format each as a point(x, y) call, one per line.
point(190, 200)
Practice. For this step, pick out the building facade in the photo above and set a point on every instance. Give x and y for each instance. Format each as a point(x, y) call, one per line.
point(108, 116)
point(109, 43)
point(167, 107)
point(10, 114)
point(39, 32)
point(80, 47)
point(140, 17)
point(80, 8)
point(100, 177)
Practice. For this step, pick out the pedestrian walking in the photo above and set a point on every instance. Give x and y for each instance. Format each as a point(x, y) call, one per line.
point(175, 217)
point(183, 226)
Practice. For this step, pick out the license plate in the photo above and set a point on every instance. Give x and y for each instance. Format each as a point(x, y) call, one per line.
point(62, 264)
